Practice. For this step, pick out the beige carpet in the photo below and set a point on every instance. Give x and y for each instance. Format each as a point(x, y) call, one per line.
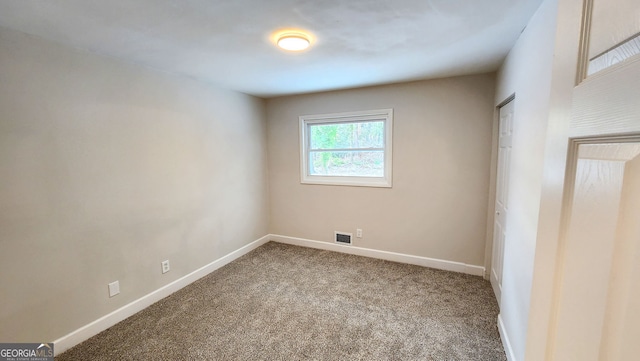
point(283, 302)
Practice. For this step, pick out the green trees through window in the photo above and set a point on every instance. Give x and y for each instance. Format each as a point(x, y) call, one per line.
point(347, 149)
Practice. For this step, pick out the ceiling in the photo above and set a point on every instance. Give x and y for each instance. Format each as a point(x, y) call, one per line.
point(228, 42)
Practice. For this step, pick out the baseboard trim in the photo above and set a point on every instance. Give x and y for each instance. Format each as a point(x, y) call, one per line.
point(389, 256)
point(505, 340)
point(83, 333)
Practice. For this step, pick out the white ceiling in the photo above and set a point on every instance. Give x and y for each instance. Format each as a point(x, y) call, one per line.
point(227, 42)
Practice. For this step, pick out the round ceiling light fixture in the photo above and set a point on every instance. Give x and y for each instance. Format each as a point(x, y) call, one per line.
point(293, 41)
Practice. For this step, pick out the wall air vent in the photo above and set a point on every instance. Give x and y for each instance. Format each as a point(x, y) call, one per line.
point(343, 238)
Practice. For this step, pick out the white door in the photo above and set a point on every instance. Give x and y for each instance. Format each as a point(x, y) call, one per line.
point(502, 196)
point(597, 286)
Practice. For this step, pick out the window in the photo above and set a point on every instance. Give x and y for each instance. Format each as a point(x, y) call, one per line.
point(347, 148)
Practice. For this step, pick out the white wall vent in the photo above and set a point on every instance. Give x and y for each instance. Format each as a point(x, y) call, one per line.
point(343, 237)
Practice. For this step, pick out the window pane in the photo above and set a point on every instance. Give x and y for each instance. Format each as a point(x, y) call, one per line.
point(347, 135)
point(355, 164)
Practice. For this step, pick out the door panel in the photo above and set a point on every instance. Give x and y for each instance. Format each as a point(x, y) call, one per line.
point(597, 306)
point(589, 249)
point(612, 23)
point(621, 330)
point(502, 196)
point(607, 102)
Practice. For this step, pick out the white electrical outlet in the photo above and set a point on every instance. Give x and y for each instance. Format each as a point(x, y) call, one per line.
point(165, 266)
point(114, 288)
point(358, 233)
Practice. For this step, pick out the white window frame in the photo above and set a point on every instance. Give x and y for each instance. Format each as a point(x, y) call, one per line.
point(384, 115)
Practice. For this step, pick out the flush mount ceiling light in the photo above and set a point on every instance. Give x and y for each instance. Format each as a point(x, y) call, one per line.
point(293, 41)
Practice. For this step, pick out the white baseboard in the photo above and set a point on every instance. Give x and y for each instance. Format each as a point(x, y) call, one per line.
point(66, 342)
point(389, 256)
point(505, 340)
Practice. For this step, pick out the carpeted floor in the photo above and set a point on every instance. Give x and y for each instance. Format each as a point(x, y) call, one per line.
point(283, 302)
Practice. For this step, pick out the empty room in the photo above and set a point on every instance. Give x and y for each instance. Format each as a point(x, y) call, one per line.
point(319, 180)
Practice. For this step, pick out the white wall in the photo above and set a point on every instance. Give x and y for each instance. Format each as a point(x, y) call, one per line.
point(442, 147)
point(526, 72)
point(106, 169)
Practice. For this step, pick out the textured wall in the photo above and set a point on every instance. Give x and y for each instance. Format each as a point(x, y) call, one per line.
point(441, 150)
point(106, 169)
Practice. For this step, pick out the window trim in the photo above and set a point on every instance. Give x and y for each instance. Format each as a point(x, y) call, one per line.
point(385, 115)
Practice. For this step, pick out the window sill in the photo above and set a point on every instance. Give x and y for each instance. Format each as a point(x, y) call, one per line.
point(348, 181)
